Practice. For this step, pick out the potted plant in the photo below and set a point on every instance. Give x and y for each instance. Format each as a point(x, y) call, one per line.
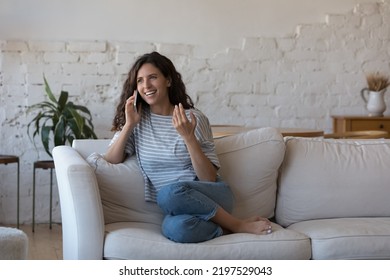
point(60, 120)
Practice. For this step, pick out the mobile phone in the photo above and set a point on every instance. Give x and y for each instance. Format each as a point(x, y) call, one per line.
point(136, 102)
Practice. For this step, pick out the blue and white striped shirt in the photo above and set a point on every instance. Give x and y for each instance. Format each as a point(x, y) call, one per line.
point(162, 153)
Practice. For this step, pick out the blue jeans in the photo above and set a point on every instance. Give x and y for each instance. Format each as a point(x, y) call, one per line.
point(188, 207)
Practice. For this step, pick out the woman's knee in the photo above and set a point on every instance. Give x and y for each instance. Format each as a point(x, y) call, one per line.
point(175, 228)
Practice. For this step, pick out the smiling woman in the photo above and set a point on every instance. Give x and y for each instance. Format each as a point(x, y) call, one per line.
point(220, 23)
point(174, 147)
point(152, 86)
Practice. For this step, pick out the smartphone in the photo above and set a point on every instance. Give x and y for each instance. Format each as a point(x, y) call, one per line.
point(136, 102)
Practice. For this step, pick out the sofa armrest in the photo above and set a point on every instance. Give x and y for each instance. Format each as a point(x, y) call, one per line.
point(81, 208)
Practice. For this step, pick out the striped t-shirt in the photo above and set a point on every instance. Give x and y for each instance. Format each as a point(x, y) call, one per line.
point(162, 153)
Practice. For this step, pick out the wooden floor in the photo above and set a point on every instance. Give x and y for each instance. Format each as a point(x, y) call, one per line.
point(44, 243)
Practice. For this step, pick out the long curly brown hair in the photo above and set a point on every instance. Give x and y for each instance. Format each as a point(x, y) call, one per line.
point(176, 92)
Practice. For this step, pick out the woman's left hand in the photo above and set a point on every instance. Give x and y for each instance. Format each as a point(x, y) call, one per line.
point(184, 127)
point(204, 169)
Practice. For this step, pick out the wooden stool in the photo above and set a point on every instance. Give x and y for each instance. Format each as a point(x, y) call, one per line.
point(5, 159)
point(43, 164)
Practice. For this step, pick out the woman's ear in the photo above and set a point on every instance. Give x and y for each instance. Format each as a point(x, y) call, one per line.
point(169, 82)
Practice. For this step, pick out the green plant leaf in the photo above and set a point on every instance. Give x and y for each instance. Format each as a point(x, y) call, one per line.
point(59, 132)
point(49, 93)
point(62, 100)
point(83, 109)
point(44, 105)
point(45, 136)
point(89, 133)
point(70, 139)
point(78, 118)
point(75, 128)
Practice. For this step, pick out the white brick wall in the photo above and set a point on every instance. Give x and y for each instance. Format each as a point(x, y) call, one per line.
point(296, 81)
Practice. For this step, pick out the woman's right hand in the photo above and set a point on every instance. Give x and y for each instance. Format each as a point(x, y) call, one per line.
point(116, 152)
point(132, 116)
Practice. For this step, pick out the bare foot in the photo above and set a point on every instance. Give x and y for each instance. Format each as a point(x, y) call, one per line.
point(255, 225)
point(257, 218)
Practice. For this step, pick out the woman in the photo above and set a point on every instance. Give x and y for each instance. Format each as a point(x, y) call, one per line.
point(175, 150)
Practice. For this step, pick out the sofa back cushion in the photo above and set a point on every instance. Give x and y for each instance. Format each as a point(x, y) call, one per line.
point(121, 188)
point(249, 164)
point(327, 178)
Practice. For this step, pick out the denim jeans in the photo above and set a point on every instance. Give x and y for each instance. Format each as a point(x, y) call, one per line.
point(188, 207)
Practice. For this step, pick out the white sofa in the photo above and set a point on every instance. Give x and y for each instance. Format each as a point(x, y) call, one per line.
point(329, 199)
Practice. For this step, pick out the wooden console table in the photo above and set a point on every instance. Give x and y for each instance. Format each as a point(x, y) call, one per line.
point(301, 132)
point(359, 123)
point(226, 130)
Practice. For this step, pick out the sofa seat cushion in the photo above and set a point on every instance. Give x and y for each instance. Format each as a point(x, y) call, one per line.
point(144, 241)
point(347, 238)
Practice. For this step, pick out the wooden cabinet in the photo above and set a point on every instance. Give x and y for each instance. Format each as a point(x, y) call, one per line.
point(356, 123)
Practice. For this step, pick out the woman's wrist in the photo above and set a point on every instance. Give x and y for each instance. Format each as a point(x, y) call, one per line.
point(128, 127)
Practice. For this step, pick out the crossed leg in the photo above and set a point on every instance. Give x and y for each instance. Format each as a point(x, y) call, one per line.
point(196, 211)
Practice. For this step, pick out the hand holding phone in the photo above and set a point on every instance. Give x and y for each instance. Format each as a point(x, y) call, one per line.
point(135, 104)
